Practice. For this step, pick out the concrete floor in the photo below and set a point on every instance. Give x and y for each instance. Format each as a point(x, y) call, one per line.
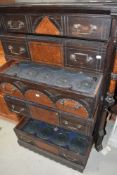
point(16, 160)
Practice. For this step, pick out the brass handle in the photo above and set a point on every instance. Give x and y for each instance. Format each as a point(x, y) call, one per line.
point(21, 50)
point(80, 29)
point(15, 25)
point(75, 56)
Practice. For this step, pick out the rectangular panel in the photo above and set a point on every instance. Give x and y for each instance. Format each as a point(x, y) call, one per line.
point(73, 123)
point(89, 26)
point(17, 106)
point(85, 54)
point(46, 52)
point(15, 47)
point(44, 115)
point(15, 23)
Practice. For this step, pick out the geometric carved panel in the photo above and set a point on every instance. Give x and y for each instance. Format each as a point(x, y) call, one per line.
point(46, 26)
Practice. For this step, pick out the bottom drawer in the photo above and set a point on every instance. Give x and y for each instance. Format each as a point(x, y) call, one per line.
point(74, 152)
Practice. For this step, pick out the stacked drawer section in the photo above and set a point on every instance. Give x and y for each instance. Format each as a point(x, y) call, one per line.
point(72, 25)
point(90, 55)
point(55, 82)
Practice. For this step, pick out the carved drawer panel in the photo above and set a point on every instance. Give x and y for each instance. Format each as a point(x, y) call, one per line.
point(89, 26)
point(44, 115)
point(85, 54)
point(15, 47)
point(17, 106)
point(73, 123)
point(50, 25)
point(72, 106)
point(38, 97)
point(11, 89)
point(15, 23)
point(46, 52)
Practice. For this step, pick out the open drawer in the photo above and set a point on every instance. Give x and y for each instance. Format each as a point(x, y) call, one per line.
point(55, 140)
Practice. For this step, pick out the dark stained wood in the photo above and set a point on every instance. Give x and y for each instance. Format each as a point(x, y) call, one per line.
point(47, 147)
point(79, 36)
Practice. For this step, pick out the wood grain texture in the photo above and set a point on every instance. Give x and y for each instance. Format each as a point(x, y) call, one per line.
point(38, 97)
point(4, 111)
point(46, 26)
point(113, 83)
point(47, 147)
point(44, 115)
point(2, 56)
point(11, 90)
point(72, 106)
point(49, 53)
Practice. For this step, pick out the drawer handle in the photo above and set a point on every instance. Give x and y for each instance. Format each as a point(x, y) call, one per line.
point(15, 25)
point(18, 112)
point(84, 30)
point(71, 127)
point(74, 57)
point(21, 50)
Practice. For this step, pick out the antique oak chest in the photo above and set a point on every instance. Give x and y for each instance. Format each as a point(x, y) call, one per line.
point(58, 75)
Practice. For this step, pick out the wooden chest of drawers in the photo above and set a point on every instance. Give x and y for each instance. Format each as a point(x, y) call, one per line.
point(59, 62)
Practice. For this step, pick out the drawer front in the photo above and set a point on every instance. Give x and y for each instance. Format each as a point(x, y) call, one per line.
point(15, 23)
point(38, 97)
point(44, 115)
point(72, 123)
point(10, 89)
point(17, 106)
point(49, 25)
point(89, 26)
point(71, 156)
point(88, 59)
point(46, 52)
point(16, 48)
point(72, 106)
point(46, 147)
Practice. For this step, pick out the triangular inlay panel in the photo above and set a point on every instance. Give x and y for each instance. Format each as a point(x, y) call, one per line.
point(47, 27)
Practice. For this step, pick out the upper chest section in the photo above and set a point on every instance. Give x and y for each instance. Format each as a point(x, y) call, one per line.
point(88, 26)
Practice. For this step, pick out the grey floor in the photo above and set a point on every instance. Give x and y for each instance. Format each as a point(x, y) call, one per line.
point(16, 160)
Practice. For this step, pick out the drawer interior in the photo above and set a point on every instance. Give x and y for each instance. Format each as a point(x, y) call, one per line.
point(83, 82)
point(51, 134)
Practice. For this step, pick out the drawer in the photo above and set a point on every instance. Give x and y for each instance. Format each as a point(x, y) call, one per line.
point(52, 135)
point(15, 23)
point(38, 97)
point(17, 106)
point(29, 138)
point(72, 157)
point(86, 57)
point(73, 107)
point(89, 26)
point(15, 47)
point(73, 123)
point(44, 115)
point(47, 24)
point(10, 89)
